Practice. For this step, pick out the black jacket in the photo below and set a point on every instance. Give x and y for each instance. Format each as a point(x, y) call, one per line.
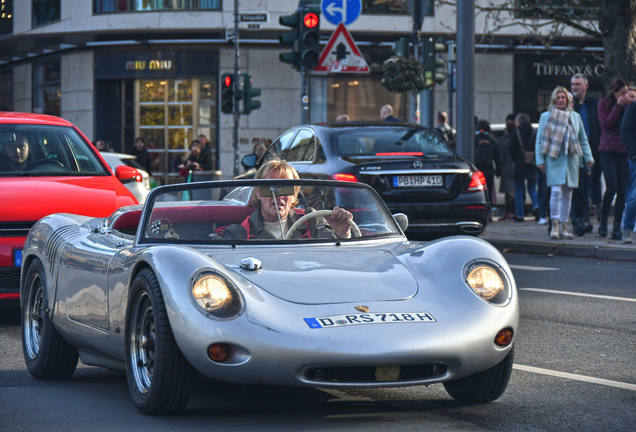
point(593, 122)
point(143, 158)
point(486, 152)
point(628, 130)
point(522, 171)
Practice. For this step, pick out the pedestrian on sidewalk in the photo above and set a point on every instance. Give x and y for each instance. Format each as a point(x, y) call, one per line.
point(520, 148)
point(611, 110)
point(507, 181)
point(587, 107)
point(487, 157)
point(628, 136)
point(561, 142)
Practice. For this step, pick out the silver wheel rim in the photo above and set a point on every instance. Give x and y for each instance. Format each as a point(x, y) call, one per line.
point(34, 317)
point(142, 342)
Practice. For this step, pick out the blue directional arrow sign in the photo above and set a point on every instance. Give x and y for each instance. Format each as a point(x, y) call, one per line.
point(341, 11)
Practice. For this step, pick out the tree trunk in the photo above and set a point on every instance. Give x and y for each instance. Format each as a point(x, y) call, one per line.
point(618, 26)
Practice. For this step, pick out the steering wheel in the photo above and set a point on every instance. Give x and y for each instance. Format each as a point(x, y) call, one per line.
point(315, 214)
point(37, 163)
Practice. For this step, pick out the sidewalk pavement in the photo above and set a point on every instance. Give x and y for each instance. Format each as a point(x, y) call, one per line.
point(531, 238)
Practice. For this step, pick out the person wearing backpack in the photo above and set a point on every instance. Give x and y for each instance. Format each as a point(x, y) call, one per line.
point(521, 150)
point(447, 132)
point(487, 156)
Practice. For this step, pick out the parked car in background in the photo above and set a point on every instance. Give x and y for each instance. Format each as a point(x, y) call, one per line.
point(305, 309)
point(48, 166)
point(409, 165)
point(141, 186)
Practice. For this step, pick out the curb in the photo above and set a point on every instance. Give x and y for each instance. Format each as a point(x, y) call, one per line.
point(598, 252)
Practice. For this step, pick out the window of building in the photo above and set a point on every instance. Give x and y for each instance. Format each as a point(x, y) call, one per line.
point(577, 9)
point(6, 90)
point(110, 6)
point(398, 7)
point(169, 115)
point(6, 17)
point(47, 93)
point(45, 11)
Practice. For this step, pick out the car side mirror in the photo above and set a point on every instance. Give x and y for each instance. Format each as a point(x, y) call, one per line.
point(126, 174)
point(249, 161)
point(402, 220)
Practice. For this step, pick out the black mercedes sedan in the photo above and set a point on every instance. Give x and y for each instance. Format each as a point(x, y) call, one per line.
point(409, 165)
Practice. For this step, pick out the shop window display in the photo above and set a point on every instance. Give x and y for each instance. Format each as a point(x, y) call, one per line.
point(110, 6)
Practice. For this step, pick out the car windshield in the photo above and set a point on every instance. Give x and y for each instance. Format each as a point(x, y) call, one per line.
point(39, 150)
point(207, 213)
point(387, 142)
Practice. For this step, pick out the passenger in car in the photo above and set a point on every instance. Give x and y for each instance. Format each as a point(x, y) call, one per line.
point(15, 154)
point(274, 216)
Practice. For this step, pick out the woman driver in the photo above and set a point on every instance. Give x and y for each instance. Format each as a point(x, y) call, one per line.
point(264, 223)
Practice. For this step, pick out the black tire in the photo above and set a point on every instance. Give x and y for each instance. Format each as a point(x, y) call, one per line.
point(159, 376)
point(483, 387)
point(46, 354)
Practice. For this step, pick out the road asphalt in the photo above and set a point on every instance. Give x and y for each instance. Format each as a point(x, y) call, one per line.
point(531, 238)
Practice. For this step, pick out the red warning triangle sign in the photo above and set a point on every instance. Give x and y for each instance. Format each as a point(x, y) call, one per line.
point(341, 54)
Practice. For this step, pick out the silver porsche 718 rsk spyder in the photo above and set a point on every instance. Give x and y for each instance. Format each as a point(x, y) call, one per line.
point(198, 279)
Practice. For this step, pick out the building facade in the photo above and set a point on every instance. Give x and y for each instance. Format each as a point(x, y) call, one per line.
point(120, 69)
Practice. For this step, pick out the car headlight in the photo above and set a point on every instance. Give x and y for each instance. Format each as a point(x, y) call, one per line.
point(215, 295)
point(487, 281)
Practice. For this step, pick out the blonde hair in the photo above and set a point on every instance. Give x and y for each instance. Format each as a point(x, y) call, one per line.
point(284, 170)
point(568, 96)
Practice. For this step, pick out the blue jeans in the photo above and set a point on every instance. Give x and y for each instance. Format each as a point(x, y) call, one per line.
point(520, 196)
point(629, 216)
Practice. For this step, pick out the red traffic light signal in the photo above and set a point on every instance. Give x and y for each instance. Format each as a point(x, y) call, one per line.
point(311, 20)
point(227, 81)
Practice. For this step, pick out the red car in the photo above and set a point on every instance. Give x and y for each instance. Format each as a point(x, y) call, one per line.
point(48, 166)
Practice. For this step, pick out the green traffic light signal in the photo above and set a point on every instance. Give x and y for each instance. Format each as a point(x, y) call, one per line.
point(292, 38)
point(250, 92)
point(432, 63)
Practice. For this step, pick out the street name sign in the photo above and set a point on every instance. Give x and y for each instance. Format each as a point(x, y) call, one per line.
point(341, 55)
point(254, 17)
point(341, 11)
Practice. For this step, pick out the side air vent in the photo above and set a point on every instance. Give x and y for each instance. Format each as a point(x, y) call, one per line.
point(55, 243)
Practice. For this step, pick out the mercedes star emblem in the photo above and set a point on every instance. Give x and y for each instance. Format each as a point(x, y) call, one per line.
point(418, 164)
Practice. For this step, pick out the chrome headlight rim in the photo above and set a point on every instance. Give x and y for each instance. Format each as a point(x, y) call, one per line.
point(504, 297)
point(222, 314)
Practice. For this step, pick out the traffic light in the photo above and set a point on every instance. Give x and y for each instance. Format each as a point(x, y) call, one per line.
point(433, 75)
point(227, 94)
point(292, 38)
point(401, 47)
point(250, 92)
point(310, 38)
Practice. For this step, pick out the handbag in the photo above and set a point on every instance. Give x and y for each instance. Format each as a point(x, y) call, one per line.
point(528, 156)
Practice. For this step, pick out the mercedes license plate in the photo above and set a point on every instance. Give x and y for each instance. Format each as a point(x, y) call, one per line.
point(418, 181)
point(369, 318)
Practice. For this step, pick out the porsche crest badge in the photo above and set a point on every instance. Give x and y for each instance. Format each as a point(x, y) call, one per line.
point(362, 308)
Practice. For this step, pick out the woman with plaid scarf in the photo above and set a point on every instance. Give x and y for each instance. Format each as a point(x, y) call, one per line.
point(561, 149)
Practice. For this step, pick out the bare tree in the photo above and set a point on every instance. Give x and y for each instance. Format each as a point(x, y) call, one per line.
point(611, 21)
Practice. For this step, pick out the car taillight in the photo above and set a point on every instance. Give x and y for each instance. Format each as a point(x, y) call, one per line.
point(139, 178)
point(477, 182)
point(345, 177)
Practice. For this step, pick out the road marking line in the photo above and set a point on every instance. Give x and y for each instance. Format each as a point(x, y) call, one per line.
point(532, 268)
point(575, 377)
point(577, 294)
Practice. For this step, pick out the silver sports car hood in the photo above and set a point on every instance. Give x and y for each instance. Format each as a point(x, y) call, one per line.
point(335, 276)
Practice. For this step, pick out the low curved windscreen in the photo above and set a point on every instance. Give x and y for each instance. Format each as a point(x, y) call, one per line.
point(386, 142)
point(40, 150)
point(265, 211)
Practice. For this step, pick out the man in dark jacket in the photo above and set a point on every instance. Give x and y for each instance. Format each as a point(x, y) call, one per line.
point(143, 156)
point(589, 185)
point(628, 135)
point(524, 172)
point(487, 156)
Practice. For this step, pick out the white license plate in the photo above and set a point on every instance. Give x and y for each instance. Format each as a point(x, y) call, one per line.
point(418, 181)
point(369, 318)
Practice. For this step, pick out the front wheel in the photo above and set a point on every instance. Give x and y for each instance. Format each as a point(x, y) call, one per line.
point(485, 386)
point(159, 376)
point(46, 354)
